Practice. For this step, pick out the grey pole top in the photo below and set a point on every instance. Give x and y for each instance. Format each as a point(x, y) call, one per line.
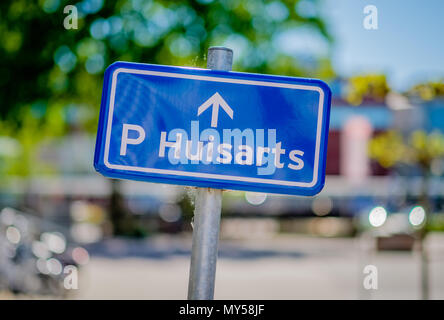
point(220, 58)
point(208, 204)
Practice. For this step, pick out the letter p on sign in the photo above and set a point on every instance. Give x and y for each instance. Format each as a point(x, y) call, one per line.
point(126, 140)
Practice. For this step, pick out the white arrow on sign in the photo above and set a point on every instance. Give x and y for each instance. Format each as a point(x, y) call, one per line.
point(216, 100)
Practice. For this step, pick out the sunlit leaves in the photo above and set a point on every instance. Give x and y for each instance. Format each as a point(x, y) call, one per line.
point(11, 41)
point(429, 90)
point(418, 148)
point(372, 86)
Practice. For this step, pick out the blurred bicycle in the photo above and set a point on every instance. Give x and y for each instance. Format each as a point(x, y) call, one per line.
point(34, 255)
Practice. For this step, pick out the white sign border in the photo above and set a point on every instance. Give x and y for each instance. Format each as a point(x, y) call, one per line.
point(211, 175)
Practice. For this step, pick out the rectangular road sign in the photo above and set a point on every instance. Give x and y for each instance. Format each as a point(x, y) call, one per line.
point(216, 129)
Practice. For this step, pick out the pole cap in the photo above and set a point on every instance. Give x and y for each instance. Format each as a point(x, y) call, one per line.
point(220, 58)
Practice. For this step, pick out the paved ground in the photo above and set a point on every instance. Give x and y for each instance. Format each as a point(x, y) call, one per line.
point(284, 267)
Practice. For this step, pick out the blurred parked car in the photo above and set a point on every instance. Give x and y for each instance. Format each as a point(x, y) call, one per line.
point(394, 231)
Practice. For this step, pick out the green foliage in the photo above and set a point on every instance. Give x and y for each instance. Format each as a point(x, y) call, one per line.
point(367, 87)
point(22, 160)
point(391, 148)
point(436, 222)
point(428, 90)
point(51, 77)
point(41, 60)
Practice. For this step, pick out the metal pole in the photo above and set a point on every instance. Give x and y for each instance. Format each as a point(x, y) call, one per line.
point(207, 210)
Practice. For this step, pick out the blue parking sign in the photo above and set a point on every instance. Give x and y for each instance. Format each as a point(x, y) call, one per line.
point(217, 129)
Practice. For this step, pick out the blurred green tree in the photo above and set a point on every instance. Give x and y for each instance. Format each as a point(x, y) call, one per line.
point(43, 64)
point(419, 148)
point(364, 87)
point(428, 90)
point(51, 77)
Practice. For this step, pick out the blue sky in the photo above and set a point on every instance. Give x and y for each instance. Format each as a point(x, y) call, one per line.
point(408, 45)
